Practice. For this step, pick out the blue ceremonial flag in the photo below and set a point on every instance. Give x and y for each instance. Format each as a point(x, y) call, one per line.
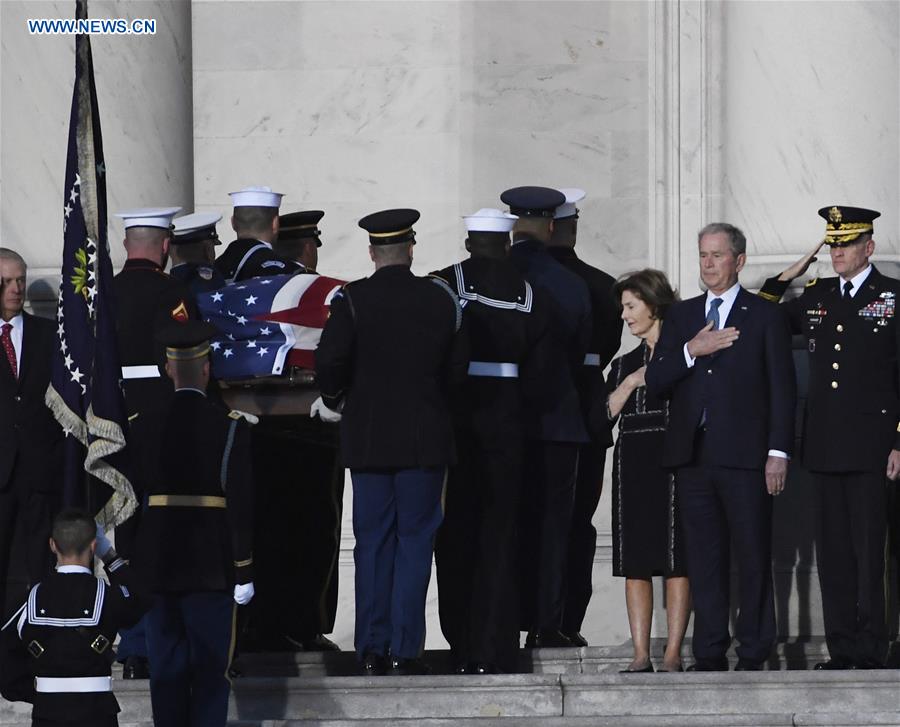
point(84, 393)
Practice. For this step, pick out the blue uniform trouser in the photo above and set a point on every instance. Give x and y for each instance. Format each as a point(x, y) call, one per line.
point(133, 641)
point(190, 638)
point(396, 514)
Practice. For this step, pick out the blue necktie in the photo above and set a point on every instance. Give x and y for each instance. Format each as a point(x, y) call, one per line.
point(713, 315)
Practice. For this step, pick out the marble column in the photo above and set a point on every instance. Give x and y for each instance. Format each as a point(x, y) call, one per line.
point(144, 89)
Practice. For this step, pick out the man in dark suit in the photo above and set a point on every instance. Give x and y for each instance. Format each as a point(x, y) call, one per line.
point(147, 300)
point(388, 357)
point(731, 388)
point(850, 438)
point(31, 440)
point(255, 221)
point(195, 541)
point(509, 337)
point(551, 458)
point(606, 336)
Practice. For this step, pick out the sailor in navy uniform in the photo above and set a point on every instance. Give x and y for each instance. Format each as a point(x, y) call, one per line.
point(389, 355)
point(193, 252)
point(606, 336)
point(58, 646)
point(551, 457)
point(851, 428)
point(147, 300)
point(195, 542)
point(509, 337)
point(255, 221)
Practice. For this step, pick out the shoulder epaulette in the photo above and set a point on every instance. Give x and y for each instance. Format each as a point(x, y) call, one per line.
point(237, 415)
point(811, 283)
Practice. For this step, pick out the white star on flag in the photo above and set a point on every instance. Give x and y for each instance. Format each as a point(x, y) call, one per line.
point(227, 353)
point(263, 351)
point(215, 345)
point(264, 331)
point(217, 296)
point(251, 299)
point(242, 320)
point(77, 375)
point(251, 344)
point(73, 195)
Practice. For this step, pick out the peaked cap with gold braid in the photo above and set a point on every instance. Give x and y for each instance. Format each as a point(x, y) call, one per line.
point(846, 224)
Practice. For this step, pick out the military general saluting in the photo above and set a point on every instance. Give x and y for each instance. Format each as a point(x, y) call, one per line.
point(851, 434)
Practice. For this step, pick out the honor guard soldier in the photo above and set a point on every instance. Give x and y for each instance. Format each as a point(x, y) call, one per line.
point(299, 238)
point(255, 221)
point(851, 435)
point(147, 300)
point(298, 510)
point(606, 336)
point(388, 356)
point(59, 644)
point(551, 458)
point(195, 541)
point(509, 333)
point(193, 252)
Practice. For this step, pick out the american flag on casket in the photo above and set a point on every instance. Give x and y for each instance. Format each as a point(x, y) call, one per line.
point(267, 324)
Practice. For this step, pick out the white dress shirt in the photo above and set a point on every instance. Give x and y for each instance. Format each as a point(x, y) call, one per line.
point(18, 323)
point(857, 281)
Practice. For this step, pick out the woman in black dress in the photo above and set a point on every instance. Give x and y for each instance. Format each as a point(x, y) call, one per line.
point(646, 531)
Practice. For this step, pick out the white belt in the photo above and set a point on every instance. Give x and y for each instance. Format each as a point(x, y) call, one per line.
point(491, 368)
point(140, 372)
point(72, 684)
point(592, 359)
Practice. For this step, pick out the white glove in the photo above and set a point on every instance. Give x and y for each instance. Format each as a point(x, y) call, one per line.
point(327, 415)
point(243, 592)
point(104, 546)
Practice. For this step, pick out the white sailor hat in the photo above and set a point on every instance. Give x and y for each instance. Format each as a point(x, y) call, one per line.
point(149, 217)
point(488, 219)
point(568, 209)
point(197, 227)
point(256, 197)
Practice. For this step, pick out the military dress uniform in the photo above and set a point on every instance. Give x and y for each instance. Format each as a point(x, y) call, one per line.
point(195, 545)
point(850, 427)
point(388, 354)
point(509, 332)
point(551, 457)
point(606, 337)
point(197, 229)
point(66, 629)
point(147, 300)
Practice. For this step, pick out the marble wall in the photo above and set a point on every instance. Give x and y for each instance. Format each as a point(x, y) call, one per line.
point(144, 94)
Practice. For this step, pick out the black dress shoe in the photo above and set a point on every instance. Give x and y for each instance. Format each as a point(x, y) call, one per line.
point(646, 670)
point(747, 665)
point(703, 665)
point(373, 665)
point(317, 642)
point(408, 667)
point(483, 667)
point(575, 637)
point(835, 664)
point(136, 667)
point(547, 639)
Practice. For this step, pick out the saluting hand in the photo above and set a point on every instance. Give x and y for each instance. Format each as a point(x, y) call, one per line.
point(802, 265)
point(708, 341)
point(893, 465)
point(776, 474)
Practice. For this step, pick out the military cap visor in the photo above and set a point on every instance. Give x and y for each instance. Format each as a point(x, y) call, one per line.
point(389, 227)
point(300, 225)
point(533, 201)
point(186, 341)
point(845, 224)
point(196, 227)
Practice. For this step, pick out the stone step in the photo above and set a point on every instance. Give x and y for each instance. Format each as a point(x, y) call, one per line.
point(586, 660)
point(725, 699)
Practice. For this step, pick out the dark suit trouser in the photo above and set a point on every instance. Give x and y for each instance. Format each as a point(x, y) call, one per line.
point(724, 508)
point(190, 638)
point(35, 510)
point(583, 535)
point(850, 552)
point(396, 514)
point(109, 720)
point(547, 501)
point(476, 552)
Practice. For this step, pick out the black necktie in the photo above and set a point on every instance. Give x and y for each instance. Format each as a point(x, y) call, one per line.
point(848, 286)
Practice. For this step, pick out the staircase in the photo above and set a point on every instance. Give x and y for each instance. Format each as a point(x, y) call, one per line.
point(566, 688)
